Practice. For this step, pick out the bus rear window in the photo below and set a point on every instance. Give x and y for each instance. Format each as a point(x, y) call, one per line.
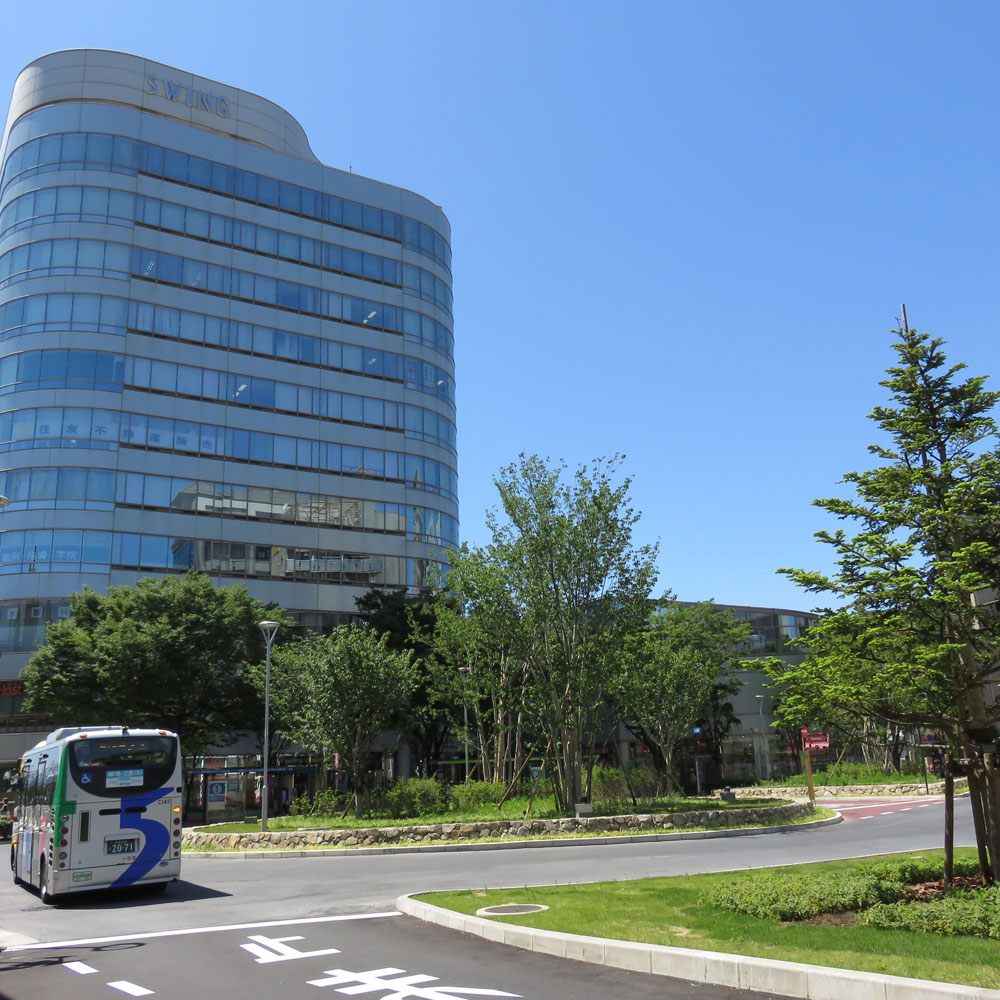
point(122, 766)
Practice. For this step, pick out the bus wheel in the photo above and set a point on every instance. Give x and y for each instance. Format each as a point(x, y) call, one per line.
point(45, 893)
point(13, 866)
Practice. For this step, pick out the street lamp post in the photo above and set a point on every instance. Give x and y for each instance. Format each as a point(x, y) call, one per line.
point(268, 628)
point(465, 720)
point(763, 736)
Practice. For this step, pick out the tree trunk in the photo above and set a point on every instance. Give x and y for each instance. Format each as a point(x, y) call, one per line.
point(949, 822)
point(991, 802)
point(569, 760)
point(621, 764)
point(979, 818)
point(668, 770)
point(991, 811)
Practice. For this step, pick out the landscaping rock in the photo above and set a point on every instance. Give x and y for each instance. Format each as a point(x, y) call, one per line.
point(506, 829)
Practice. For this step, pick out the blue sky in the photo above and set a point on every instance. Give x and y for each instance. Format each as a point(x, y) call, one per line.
point(681, 230)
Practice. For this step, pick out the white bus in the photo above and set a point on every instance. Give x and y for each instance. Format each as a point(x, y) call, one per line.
point(98, 807)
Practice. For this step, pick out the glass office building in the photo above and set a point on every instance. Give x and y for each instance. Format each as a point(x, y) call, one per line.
point(215, 352)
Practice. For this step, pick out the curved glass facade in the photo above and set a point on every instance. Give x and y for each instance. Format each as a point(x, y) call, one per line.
point(215, 353)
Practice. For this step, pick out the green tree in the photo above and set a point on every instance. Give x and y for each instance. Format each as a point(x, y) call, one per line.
point(564, 586)
point(718, 721)
point(477, 638)
point(165, 653)
point(408, 620)
point(669, 671)
point(911, 643)
point(336, 693)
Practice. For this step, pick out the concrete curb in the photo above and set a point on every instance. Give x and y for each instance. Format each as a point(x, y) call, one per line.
point(508, 845)
point(792, 979)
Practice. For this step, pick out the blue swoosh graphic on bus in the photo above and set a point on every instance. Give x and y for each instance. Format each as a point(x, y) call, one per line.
point(156, 834)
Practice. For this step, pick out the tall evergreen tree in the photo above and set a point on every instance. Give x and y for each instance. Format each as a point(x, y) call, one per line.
point(915, 641)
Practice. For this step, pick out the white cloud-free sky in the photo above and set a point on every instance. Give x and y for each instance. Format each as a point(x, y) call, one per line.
point(681, 230)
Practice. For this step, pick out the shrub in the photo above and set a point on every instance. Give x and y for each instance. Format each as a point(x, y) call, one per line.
point(5, 828)
point(791, 896)
point(799, 897)
point(852, 774)
point(608, 784)
point(412, 797)
point(473, 795)
point(325, 802)
point(976, 914)
point(916, 870)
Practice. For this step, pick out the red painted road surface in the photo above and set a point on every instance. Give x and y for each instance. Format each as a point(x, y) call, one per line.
point(867, 808)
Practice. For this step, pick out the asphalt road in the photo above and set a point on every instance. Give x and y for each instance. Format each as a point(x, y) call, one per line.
point(191, 941)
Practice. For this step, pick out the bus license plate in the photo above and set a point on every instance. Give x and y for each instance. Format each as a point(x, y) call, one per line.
point(127, 845)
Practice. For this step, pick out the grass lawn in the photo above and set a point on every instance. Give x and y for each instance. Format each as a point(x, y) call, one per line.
point(671, 911)
point(513, 809)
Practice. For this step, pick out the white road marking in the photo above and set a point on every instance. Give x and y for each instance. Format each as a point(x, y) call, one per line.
point(906, 809)
point(205, 930)
point(869, 805)
point(376, 981)
point(81, 967)
point(888, 812)
point(131, 989)
point(275, 950)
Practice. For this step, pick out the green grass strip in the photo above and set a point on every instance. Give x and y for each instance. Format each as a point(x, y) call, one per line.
point(675, 911)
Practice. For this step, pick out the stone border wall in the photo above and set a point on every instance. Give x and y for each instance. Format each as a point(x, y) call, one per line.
point(849, 791)
point(515, 829)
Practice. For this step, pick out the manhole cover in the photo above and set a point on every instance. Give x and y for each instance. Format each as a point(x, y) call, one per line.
point(509, 908)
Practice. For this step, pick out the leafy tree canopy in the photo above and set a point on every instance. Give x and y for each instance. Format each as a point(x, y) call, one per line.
point(671, 668)
point(408, 621)
point(555, 592)
point(165, 653)
point(337, 692)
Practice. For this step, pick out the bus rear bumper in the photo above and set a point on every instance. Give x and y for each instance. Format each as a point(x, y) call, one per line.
point(82, 879)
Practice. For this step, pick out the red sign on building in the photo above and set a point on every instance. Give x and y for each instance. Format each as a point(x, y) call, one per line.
point(815, 741)
point(11, 688)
